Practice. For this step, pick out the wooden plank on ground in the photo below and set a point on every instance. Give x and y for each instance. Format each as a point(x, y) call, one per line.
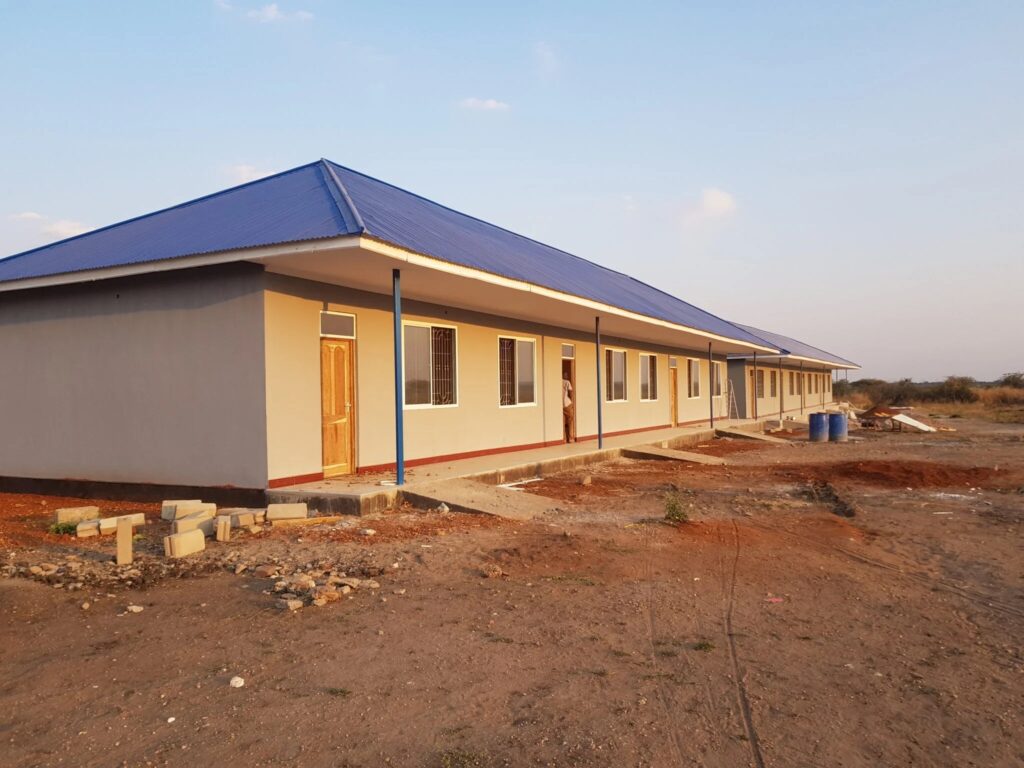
point(750, 436)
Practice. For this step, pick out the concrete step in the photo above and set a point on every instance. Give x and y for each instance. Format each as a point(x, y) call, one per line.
point(670, 454)
point(473, 496)
point(745, 435)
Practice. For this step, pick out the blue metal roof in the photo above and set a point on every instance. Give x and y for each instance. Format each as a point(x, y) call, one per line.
point(793, 347)
point(323, 200)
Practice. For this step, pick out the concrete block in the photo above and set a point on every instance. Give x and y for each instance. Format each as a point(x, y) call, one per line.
point(167, 508)
point(224, 528)
point(125, 530)
point(88, 528)
point(187, 543)
point(287, 511)
point(187, 510)
point(108, 525)
point(77, 514)
point(261, 516)
point(197, 521)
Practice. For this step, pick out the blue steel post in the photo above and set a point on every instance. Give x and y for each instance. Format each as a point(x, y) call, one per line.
point(597, 342)
point(396, 294)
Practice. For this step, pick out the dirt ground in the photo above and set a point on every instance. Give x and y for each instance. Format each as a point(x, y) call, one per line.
point(826, 605)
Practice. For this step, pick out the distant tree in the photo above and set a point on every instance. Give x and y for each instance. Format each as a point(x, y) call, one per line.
point(955, 389)
point(1015, 380)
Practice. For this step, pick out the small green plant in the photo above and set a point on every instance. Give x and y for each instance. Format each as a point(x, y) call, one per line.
point(674, 511)
point(704, 645)
point(64, 529)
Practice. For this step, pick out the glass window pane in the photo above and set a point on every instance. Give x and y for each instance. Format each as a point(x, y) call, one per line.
point(524, 371)
point(619, 376)
point(416, 364)
point(335, 324)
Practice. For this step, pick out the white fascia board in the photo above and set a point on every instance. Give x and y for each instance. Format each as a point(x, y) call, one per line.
point(258, 253)
point(430, 262)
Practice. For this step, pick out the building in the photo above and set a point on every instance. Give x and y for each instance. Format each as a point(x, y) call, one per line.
point(795, 381)
point(257, 338)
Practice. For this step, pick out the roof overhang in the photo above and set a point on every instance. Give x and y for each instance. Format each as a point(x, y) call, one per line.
point(798, 359)
point(366, 263)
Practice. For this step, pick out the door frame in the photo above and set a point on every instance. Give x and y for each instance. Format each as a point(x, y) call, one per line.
point(353, 414)
point(575, 394)
point(673, 395)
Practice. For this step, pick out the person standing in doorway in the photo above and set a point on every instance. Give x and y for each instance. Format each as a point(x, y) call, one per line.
point(568, 421)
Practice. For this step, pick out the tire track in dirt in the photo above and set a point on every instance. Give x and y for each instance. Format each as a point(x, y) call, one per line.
point(924, 579)
point(649, 619)
point(743, 700)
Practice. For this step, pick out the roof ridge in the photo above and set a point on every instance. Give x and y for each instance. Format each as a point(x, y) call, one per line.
point(339, 193)
point(186, 204)
point(526, 237)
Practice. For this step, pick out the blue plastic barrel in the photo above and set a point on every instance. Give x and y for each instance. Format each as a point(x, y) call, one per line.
point(837, 427)
point(819, 427)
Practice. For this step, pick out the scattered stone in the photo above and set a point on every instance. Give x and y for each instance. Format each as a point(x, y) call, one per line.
point(236, 682)
point(76, 514)
point(135, 609)
point(586, 480)
point(267, 571)
point(85, 606)
point(371, 584)
point(240, 568)
point(367, 532)
point(291, 605)
point(492, 571)
point(443, 508)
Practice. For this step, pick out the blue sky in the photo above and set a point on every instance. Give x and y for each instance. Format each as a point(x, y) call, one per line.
point(851, 174)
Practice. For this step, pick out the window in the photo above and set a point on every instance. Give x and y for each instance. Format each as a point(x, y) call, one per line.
point(648, 377)
point(693, 378)
point(773, 387)
point(568, 351)
point(429, 363)
point(672, 362)
point(759, 384)
point(615, 375)
point(717, 389)
point(516, 365)
point(792, 383)
point(828, 382)
point(337, 324)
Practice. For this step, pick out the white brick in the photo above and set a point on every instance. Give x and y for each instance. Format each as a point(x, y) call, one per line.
point(187, 543)
point(287, 511)
point(77, 514)
point(109, 524)
point(167, 508)
point(198, 521)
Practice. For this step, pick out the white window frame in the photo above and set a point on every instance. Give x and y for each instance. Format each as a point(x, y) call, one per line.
point(720, 380)
point(336, 314)
point(458, 376)
point(625, 374)
point(640, 378)
point(515, 372)
point(689, 378)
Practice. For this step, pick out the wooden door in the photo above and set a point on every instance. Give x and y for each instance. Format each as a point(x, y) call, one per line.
point(673, 395)
point(337, 406)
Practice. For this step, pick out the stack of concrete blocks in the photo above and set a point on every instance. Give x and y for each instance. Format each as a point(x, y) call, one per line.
point(192, 521)
point(107, 525)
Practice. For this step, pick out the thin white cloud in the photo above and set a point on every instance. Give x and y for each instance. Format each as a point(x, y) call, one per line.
point(484, 105)
point(48, 227)
point(63, 228)
point(271, 12)
point(224, 5)
point(713, 204)
point(244, 172)
point(546, 60)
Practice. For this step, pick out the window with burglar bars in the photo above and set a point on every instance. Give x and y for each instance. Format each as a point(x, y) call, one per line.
point(516, 376)
point(648, 377)
point(717, 390)
point(759, 384)
point(693, 378)
point(615, 374)
point(429, 365)
point(792, 383)
point(772, 385)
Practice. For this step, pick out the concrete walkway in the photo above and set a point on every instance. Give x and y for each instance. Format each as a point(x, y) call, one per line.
point(361, 495)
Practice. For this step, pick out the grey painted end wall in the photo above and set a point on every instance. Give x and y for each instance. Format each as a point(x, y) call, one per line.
point(150, 379)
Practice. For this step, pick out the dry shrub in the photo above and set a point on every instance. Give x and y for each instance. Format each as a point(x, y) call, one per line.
point(1001, 396)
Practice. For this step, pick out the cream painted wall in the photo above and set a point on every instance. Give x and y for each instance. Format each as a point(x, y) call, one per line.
point(149, 379)
point(476, 423)
point(768, 406)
